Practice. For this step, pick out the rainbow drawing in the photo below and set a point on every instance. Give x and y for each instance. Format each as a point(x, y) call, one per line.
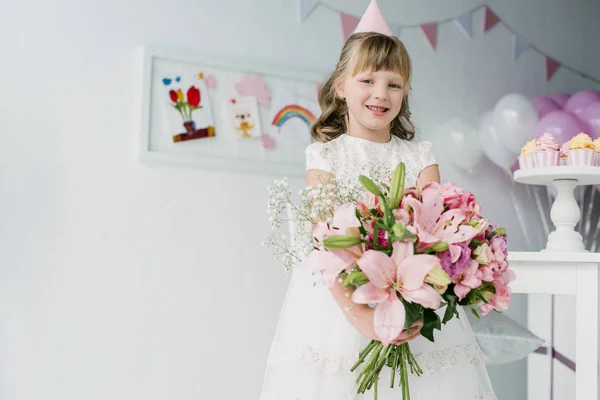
point(293, 111)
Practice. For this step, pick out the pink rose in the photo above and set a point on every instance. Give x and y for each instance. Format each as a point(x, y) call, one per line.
point(472, 205)
point(452, 195)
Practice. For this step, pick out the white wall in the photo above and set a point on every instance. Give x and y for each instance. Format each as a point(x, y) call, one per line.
point(118, 280)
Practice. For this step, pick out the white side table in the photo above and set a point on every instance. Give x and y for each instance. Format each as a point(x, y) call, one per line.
point(565, 267)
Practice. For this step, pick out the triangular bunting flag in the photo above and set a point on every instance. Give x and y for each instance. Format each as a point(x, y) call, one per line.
point(551, 67)
point(306, 7)
point(396, 29)
point(521, 44)
point(430, 31)
point(465, 22)
point(349, 23)
point(489, 19)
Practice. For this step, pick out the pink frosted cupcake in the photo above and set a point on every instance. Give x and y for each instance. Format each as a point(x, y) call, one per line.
point(526, 157)
point(597, 146)
point(563, 158)
point(546, 151)
point(582, 152)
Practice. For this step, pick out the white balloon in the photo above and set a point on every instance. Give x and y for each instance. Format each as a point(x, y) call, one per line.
point(491, 143)
point(515, 118)
point(462, 146)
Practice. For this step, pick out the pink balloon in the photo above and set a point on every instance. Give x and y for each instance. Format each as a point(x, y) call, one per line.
point(580, 100)
point(515, 166)
point(544, 105)
point(591, 116)
point(560, 124)
point(560, 98)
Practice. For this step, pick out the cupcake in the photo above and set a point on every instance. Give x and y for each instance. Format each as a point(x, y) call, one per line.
point(526, 157)
point(563, 158)
point(582, 152)
point(546, 151)
point(597, 146)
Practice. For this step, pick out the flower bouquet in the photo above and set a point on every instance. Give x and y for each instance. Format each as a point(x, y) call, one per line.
point(409, 253)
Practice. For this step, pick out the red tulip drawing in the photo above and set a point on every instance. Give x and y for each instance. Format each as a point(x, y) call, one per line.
point(186, 108)
point(193, 96)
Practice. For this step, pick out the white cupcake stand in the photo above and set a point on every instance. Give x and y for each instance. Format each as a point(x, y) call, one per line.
point(564, 267)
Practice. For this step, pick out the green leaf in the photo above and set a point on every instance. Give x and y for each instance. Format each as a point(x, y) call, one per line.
point(475, 313)
point(374, 212)
point(450, 309)
point(397, 188)
point(431, 321)
point(376, 233)
point(370, 186)
point(401, 232)
point(475, 243)
point(388, 216)
point(359, 217)
point(413, 312)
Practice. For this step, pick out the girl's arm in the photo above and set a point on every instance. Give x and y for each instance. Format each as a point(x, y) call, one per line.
point(361, 316)
point(427, 175)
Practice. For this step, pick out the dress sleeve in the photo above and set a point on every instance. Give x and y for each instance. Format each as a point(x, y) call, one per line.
point(426, 155)
point(316, 157)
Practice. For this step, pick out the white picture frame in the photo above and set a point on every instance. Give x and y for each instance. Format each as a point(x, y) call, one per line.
point(148, 59)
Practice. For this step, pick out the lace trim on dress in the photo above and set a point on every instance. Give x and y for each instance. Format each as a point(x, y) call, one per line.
point(433, 362)
point(273, 396)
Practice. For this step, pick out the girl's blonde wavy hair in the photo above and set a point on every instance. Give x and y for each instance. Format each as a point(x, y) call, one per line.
point(364, 51)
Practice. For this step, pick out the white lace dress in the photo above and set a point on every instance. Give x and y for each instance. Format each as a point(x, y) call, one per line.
point(315, 346)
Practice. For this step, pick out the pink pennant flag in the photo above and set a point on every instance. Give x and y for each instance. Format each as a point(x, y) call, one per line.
point(430, 31)
point(551, 67)
point(349, 23)
point(489, 19)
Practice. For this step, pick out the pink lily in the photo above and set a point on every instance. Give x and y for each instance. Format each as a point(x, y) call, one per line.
point(402, 273)
point(469, 280)
point(333, 261)
point(434, 225)
point(369, 202)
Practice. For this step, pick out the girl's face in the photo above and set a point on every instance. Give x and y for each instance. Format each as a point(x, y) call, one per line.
point(374, 100)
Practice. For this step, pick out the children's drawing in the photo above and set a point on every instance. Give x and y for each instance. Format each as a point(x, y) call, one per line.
point(194, 110)
point(268, 141)
point(245, 117)
point(293, 111)
point(254, 86)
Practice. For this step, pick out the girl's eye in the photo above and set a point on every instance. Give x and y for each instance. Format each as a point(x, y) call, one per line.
point(394, 86)
point(366, 81)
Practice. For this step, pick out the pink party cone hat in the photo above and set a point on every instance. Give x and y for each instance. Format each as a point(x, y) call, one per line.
point(373, 21)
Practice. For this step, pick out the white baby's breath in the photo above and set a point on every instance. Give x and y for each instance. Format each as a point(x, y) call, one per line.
point(292, 221)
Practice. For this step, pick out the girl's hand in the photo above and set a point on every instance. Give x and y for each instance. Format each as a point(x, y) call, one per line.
point(405, 337)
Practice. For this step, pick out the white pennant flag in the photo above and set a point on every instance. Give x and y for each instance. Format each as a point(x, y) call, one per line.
point(306, 7)
point(521, 44)
point(466, 24)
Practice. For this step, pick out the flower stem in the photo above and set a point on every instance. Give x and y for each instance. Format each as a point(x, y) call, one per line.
point(363, 354)
point(373, 374)
point(395, 368)
point(376, 385)
point(404, 372)
point(370, 363)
